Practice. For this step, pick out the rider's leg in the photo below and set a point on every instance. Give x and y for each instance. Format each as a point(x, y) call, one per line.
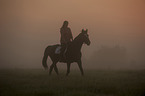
point(63, 47)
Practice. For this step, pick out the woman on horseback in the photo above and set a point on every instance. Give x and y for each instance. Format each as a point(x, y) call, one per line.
point(66, 37)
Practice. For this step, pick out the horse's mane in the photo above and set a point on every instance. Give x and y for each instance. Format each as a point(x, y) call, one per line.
point(77, 37)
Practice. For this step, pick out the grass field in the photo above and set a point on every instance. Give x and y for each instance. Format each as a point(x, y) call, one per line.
point(36, 82)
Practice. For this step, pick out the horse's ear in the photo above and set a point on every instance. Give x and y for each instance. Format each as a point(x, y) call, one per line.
point(86, 30)
point(82, 30)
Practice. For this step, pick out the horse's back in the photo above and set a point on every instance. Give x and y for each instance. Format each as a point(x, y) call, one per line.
point(51, 48)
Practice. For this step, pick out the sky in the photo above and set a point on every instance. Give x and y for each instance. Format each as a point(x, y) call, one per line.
point(28, 26)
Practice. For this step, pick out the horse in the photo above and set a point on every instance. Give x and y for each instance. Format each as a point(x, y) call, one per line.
point(72, 54)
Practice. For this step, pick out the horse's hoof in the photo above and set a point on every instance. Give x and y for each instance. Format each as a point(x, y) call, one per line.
point(46, 68)
point(82, 74)
point(49, 74)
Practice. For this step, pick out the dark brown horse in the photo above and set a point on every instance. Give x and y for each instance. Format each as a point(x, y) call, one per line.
point(73, 53)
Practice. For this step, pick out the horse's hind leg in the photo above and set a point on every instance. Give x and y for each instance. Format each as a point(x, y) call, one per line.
point(68, 69)
point(80, 66)
point(53, 65)
point(51, 68)
point(55, 68)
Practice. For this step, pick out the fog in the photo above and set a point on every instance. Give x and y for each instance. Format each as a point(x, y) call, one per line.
point(116, 29)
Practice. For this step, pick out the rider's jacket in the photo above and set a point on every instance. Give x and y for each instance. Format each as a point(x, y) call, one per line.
point(66, 35)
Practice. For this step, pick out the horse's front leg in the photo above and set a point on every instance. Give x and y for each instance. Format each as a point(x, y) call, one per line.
point(80, 66)
point(68, 69)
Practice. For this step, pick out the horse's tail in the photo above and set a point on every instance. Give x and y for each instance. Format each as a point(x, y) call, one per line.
point(44, 61)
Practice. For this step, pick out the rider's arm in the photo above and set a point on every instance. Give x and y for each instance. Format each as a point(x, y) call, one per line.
point(71, 34)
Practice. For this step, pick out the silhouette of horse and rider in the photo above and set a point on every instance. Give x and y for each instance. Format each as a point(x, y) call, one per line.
point(70, 50)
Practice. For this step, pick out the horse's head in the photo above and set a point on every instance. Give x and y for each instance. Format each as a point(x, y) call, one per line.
point(85, 36)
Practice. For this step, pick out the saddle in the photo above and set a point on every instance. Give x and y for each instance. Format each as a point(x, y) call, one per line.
point(58, 50)
point(62, 55)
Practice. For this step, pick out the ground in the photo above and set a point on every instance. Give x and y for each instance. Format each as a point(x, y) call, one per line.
point(37, 82)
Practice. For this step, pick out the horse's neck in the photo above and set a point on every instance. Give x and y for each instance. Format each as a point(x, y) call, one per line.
point(77, 44)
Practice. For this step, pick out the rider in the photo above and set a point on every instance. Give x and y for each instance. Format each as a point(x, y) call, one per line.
point(66, 37)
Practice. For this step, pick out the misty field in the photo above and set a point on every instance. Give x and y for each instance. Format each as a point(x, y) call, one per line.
point(37, 82)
